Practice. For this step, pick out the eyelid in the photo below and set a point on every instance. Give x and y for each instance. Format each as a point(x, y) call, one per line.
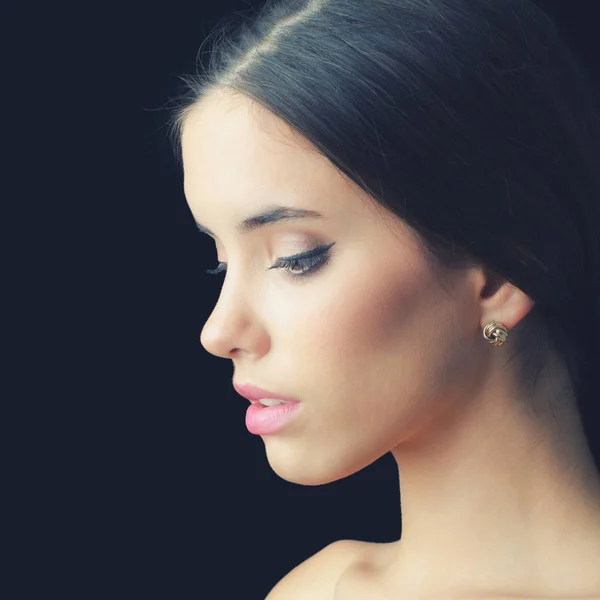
point(316, 258)
point(305, 242)
point(316, 251)
point(309, 253)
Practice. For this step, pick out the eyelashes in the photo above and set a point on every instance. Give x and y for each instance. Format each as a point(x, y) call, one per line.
point(297, 266)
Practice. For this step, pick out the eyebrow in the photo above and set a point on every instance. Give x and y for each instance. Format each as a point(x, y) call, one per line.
point(271, 214)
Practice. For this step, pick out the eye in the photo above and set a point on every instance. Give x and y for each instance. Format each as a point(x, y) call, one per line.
point(297, 266)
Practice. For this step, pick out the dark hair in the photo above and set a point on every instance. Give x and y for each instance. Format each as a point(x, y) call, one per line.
point(471, 120)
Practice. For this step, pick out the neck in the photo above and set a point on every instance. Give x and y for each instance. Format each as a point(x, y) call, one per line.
point(500, 497)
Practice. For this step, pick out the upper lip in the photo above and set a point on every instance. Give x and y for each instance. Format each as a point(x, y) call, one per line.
point(255, 393)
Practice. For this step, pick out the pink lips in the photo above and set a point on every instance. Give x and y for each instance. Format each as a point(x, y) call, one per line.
point(255, 393)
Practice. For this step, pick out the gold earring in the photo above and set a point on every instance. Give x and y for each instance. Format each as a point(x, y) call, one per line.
point(495, 333)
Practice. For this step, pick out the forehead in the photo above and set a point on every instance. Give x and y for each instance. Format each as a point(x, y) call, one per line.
point(239, 155)
point(240, 135)
point(232, 146)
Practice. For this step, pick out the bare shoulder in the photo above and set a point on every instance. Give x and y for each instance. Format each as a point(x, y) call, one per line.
point(316, 577)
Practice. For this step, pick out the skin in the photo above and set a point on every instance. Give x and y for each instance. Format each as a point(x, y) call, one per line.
point(497, 497)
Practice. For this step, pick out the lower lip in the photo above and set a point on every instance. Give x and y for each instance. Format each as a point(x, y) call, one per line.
point(262, 420)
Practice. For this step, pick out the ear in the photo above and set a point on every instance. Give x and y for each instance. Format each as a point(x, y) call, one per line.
point(501, 301)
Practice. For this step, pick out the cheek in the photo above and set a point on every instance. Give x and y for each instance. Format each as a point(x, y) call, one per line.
point(382, 336)
point(387, 335)
point(388, 320)
point(383, 354)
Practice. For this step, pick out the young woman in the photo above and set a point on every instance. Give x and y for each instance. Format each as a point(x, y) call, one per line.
point(406, 199)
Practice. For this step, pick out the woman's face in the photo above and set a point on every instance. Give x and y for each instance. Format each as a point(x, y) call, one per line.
point(370, 342)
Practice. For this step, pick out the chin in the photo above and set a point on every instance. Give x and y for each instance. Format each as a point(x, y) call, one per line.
point(307, 469)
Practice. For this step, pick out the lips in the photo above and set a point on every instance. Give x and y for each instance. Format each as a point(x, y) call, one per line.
point(255, 393)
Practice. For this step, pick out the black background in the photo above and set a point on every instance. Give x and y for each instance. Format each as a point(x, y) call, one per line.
point(134, 473)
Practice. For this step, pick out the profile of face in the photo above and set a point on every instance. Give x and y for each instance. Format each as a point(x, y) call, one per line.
point(380, 348)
